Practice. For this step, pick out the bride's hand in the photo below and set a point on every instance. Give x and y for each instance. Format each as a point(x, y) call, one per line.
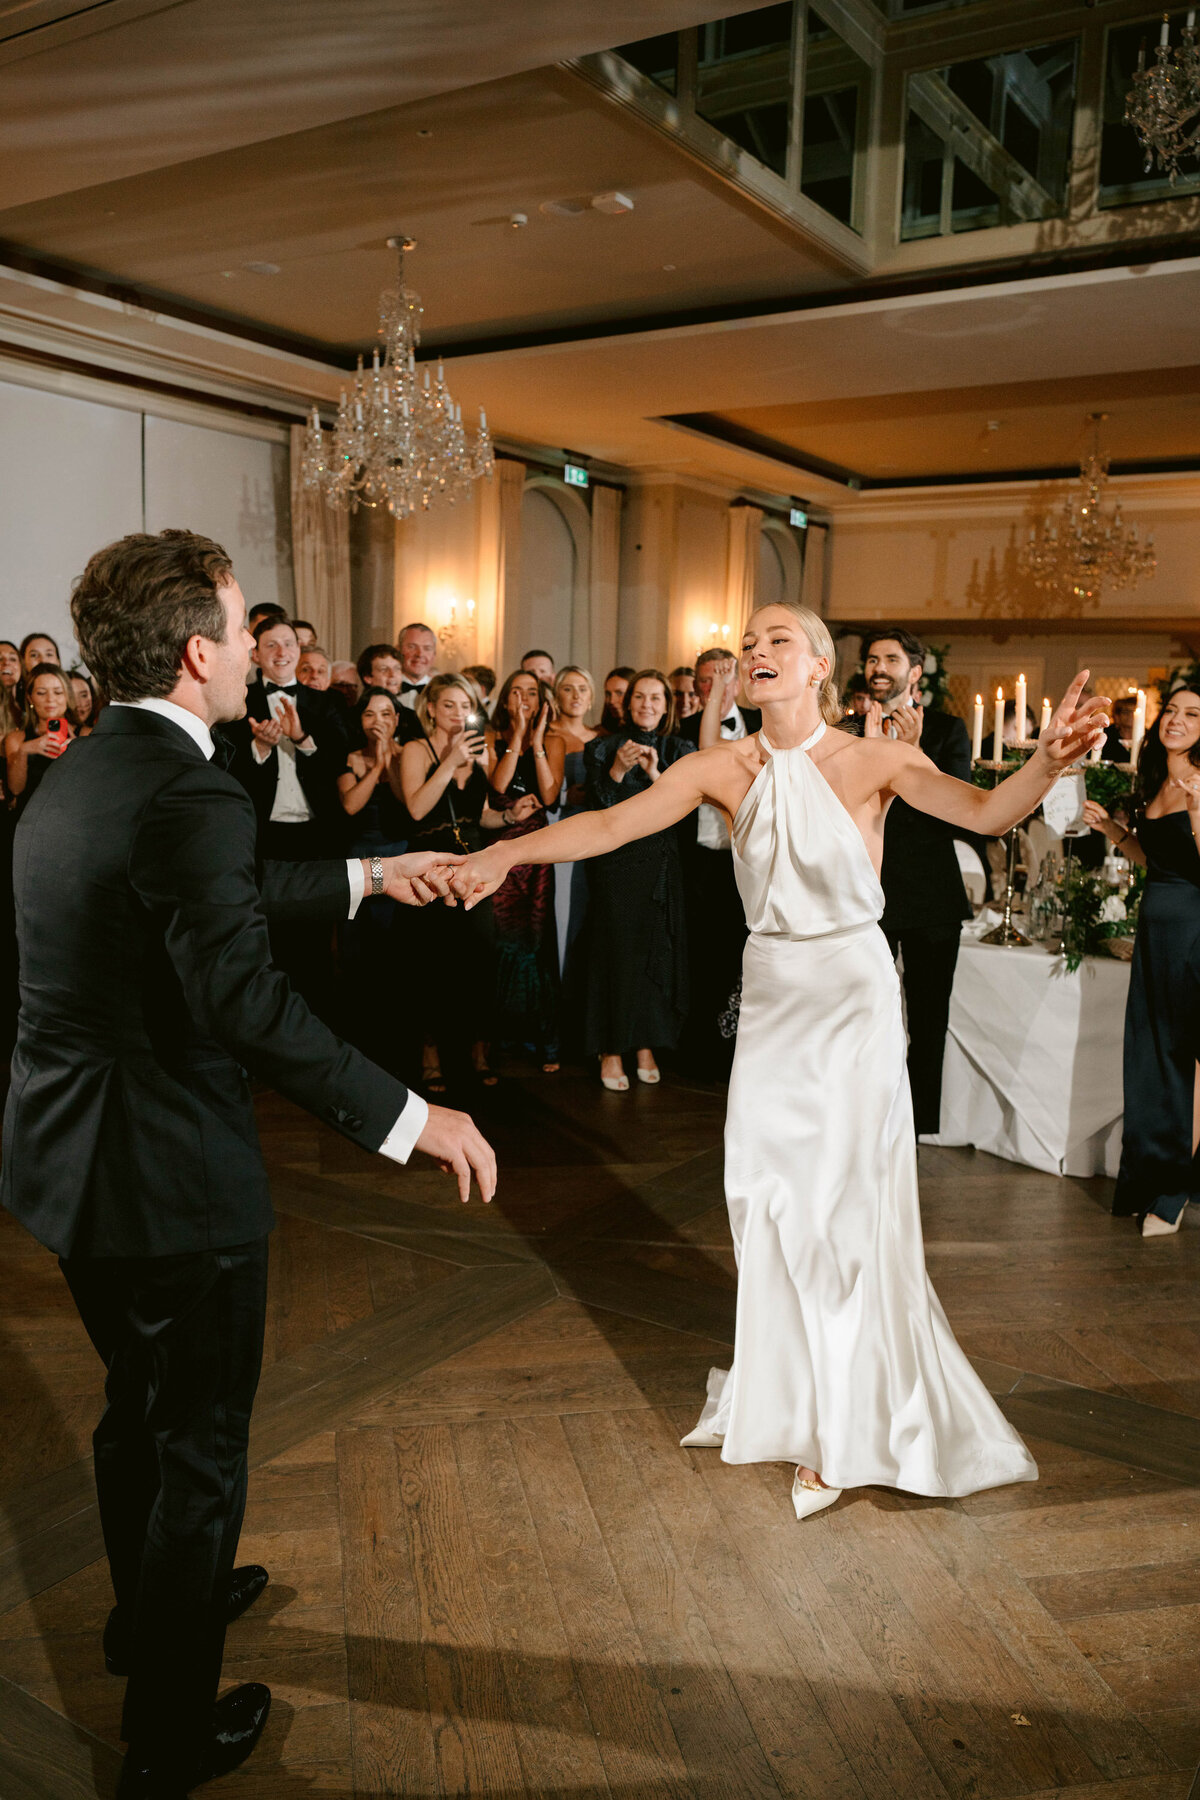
point(481, 875)
point(1076, 727)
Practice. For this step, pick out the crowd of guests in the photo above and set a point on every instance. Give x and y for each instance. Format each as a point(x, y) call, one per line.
point(637, 951)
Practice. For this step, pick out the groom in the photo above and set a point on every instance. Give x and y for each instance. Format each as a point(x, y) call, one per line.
point(130, 1149)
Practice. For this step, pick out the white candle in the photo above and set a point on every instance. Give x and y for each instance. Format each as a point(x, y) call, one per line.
point(998, 728)
point(1096, 751)
point(977, 730)
point(1046, 710)
point(1139, 729)
point(470, 609)
point(1021, 732)
point(1164, 36)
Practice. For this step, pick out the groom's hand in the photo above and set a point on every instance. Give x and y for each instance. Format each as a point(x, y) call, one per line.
point(460, 1149)
point(415, 880)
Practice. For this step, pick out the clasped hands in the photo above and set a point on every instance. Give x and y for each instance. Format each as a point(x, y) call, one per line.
point(284, 723)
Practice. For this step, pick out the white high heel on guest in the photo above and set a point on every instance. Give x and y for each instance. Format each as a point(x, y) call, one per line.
point(1154, 1226)
point(809, 1497)
point(616, 1084)
point(651, 1077)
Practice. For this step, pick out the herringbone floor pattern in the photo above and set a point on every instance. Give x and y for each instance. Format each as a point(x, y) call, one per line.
point(494, 1572)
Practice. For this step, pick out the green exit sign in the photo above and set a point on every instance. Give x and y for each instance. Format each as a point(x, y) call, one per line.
point(574, 476)
point(799, 518)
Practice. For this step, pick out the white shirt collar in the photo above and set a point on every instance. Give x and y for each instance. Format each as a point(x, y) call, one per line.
point(187, 721)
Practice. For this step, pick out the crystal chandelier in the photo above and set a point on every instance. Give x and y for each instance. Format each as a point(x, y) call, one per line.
point(1163, 106)
point(398, 440)
point(1084, 549)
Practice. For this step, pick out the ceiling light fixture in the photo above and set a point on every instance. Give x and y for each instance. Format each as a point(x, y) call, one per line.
point(1164, 102)
point(1083, 549)
point(397, 441)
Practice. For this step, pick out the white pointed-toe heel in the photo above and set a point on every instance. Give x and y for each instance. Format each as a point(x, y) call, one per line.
point(809, 1497)
point(700, 1439)
point(651, 1077)
point(1154, 1226)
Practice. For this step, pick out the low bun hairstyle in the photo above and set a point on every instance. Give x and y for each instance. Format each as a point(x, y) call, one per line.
point(821, 644)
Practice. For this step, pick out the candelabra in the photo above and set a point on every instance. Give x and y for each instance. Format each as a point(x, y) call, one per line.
point(398, 440)
point(1005, 932)
point(1163, 106)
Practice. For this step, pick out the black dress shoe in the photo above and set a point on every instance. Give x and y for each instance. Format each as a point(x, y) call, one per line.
point(245, 1585)
point(238, 1721)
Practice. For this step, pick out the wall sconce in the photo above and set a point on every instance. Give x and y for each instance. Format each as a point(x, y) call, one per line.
point(456, 643)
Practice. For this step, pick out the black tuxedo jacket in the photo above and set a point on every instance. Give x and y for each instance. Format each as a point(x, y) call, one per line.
point(690, 728)
point(922, 883)
point(146, 990)
point(318, 771)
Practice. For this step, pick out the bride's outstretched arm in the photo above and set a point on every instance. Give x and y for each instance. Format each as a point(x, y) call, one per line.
point(677, 792)
point(1075, 727)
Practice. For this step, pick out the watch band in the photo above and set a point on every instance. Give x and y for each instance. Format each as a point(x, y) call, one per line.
point(376, 875)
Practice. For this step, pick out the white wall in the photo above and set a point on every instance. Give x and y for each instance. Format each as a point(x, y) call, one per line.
point(233, 489)
point(75, 474)
point(70, 481)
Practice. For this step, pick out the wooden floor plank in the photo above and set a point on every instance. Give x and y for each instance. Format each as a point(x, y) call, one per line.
point(44, 1757)
point(712, 1730)
point(634, 1734)
point(555, 1739)
point(391, 1734)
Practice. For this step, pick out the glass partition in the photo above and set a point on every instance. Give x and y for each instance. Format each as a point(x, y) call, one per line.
point(655, 57)
point(744, 77)
point(1124, 178)
point(836, 109)
point(988, 142)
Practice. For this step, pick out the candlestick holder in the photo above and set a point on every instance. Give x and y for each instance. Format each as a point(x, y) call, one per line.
point(1006, 932)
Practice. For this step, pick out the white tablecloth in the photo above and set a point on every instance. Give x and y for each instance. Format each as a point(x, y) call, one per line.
point(1033, 1059)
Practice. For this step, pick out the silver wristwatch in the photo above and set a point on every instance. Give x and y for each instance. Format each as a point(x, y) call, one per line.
point(376, 875)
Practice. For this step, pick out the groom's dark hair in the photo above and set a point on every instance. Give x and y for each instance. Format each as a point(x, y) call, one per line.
point(912, 646)
point(139, 601)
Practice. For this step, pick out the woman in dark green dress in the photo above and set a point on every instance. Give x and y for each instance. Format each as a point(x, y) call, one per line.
point(1160, 1167)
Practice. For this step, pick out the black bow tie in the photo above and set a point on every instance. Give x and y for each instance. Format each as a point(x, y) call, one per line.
point(223, 750)
point(282, 687)
point(411, 687)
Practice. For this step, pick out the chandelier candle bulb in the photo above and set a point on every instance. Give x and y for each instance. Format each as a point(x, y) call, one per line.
point(1020, 709)
point(977, 730)
point(1139, 729)
point(998, 728)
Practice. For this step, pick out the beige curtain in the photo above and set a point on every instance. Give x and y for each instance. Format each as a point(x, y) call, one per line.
point(510, 481)
point(320, 560)
point(598, 647)
point(741, 569)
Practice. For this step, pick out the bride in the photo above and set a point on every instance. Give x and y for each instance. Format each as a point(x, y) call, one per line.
point(843, 1361)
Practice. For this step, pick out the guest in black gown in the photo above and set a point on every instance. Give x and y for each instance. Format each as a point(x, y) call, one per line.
point(1160, 1167)
point(450, 960)
point(373, 801)
point(637, 995)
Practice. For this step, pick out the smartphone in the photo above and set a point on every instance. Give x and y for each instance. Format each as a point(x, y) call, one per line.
point(477, 722)
point(58, 736)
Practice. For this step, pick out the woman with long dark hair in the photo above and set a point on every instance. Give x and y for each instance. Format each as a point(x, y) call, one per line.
point(1160, 1167)
point(637, 987)
point(30, 750)
point(527, 775)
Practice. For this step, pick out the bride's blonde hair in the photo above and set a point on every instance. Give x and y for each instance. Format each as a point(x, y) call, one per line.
point(821, 644)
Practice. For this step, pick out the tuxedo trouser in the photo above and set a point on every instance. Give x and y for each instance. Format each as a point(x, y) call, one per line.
point(303, 948)
point(930, 955)
point(181, 1338)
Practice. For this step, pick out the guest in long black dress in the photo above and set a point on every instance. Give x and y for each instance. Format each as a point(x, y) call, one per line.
point(451, 958)
point(637, 978)
point(30, 750)
point(371, 943)
point(1160, 1167)
point(527, 774)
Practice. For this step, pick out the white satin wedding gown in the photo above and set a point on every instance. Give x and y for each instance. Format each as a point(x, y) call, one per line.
point(843, 1359)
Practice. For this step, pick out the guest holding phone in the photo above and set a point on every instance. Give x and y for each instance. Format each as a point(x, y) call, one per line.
point(49, 727)
point(638, 975)
point(444, 779)
point(528, 761)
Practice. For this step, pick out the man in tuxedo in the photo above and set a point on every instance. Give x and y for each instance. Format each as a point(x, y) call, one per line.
point(716, 918)
point(925, 901)
point(417, 649)
point(288, 752)
point(130, 1148)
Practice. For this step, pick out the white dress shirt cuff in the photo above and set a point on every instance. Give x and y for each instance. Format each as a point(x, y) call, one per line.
point(401, 1139)
point(259, 753)
point(358, 885)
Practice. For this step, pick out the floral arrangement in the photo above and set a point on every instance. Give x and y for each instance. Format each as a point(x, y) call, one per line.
point(1092, 912)
point(1108, 783)
point(934, 690)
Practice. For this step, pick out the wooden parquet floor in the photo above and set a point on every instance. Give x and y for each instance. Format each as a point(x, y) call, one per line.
point(494, 1571)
